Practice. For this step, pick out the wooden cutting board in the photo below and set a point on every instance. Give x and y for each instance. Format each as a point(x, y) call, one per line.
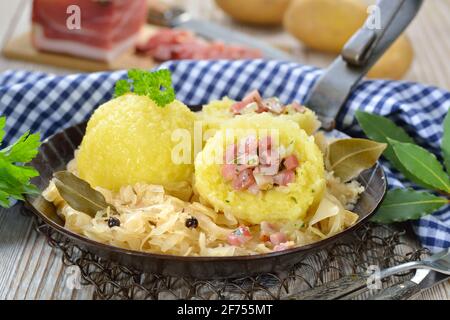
point(21, 48)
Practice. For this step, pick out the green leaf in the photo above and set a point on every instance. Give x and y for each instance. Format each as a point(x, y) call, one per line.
point(24, 149)
point(407, 204)
point(155, 85)
point(2, 128)
point(348, 157)
point(422, 164)
point(379, 128)
point(79, 194)
point(446, 142)
point(14, 177)
point(122, 87)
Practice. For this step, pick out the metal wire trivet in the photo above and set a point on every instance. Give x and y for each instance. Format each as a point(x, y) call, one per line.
point(372, 244)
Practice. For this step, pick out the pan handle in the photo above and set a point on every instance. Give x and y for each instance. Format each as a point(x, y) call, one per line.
point(384, 25)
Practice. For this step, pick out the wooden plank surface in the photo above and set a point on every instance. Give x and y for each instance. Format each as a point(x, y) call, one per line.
point(30, 269)
point(21, 48)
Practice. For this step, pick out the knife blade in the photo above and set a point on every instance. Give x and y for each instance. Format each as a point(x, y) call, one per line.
point(178, 18)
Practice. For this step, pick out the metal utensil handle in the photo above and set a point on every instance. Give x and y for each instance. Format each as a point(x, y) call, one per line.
point(333, 290)
point(359, 54)
point(399, 291)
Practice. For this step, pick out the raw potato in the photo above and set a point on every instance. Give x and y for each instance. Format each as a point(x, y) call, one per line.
point(395, 62)
point(326, 25)
point(260, 12)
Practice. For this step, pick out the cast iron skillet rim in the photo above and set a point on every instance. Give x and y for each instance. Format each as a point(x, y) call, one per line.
point(107, 247)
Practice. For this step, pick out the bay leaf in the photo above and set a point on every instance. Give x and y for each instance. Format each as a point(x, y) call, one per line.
point(348, 157)
point(407, 204)
point(445, 146)
point(381, 129)
point(422, 163)
point(79, 194)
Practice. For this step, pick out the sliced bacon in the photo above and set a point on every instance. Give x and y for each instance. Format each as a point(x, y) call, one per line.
point(290, 162)
point(183, 44)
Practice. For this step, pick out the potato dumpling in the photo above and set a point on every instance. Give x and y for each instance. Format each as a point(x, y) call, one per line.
point(326, 25)
point(280, 203)
point(260, 12)
point(215, 113)
point(128, 140)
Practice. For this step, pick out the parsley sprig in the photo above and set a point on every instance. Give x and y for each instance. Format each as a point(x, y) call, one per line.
point(156, 85)
point(14, 175)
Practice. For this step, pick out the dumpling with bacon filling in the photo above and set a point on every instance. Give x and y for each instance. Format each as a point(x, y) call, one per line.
point(216, 112)
point(261, 168)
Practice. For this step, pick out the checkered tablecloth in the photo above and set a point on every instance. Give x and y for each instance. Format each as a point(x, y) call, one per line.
point(49, 103)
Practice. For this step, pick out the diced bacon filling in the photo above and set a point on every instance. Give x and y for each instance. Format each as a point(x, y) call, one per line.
point(254, 103)
point(239, 236)
point(254, 165)
point(176, 44)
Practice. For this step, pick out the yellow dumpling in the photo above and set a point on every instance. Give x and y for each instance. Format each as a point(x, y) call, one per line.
point(281, 203)
point(129, 140)
point(215, 113)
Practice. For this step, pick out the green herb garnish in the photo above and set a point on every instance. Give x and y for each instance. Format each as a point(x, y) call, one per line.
point(417, 164)
point(156, 85)
point(14, 175)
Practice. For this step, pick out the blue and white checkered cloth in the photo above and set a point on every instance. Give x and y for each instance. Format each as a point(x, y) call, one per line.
point(49, 103)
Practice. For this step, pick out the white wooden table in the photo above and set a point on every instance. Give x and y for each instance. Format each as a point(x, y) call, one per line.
point(30, 269)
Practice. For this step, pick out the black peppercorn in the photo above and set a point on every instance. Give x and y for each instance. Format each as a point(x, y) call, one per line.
point(113, 222)
point(191, 223)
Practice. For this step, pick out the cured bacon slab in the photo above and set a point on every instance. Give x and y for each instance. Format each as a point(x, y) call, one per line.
point(108, 27)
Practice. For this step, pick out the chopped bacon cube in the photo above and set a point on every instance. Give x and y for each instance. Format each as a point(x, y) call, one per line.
point(265, 143)
point(298, 107)
point(230, 154)
point(244, 180)
point(290, 162)
point(237, 107)
point(228, 171)
point(278, 238)
point(253, 96)
point(282, 246)
point(284, 178)
point(239, 236)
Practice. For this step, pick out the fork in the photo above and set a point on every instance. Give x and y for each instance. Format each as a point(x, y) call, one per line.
point(352, 285)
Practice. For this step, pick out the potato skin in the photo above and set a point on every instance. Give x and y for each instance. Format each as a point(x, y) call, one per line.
point(278, 204)
point(258, 12)
point(395, 62)
point(128, 140)
point(326, 25)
